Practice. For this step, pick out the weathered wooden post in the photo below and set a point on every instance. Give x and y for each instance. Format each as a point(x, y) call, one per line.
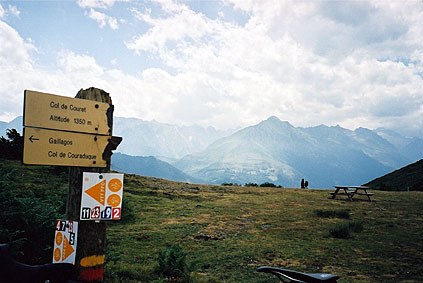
point(91, 235)
point(64, 131)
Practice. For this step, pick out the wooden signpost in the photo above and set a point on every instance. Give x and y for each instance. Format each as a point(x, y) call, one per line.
point(75, 132)
point(51, 147)
point(49, 111)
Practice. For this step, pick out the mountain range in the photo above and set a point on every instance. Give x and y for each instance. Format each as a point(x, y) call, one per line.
point(275, 151)
point(170, 142)
point(151, 138)
point(148, 166)
point(271, 151)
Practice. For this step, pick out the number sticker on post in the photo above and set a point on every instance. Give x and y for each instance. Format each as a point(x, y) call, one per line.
point(101, 196)
point(65, 241)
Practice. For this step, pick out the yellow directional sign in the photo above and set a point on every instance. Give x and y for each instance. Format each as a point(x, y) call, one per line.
point(50, 147)
point(49, 111)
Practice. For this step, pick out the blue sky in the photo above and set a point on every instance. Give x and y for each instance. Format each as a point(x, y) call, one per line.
point(227, 64)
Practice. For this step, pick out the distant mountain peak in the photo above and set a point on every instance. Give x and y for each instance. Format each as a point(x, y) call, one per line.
point(273, 119)
point(276, 121)
point(365, 131)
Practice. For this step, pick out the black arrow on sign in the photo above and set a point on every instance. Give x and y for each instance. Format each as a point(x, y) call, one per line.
point(32, 139)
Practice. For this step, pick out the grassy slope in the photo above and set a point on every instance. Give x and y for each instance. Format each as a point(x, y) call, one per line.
point(250, 227)
point(31, 199)
point(247, 228)
point(408, 177)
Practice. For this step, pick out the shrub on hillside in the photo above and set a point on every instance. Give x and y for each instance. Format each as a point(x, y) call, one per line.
point(343, 230)
point(342, 213)
point(340, 231)
point(230, 184)
point(172, 264)
point(251, 185)
point(356, 226)
point(12, 146)
point(268, 185)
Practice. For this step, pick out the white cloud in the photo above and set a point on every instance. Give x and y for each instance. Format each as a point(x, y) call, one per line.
point(104, 4)
point(14, 11)
point(14, 51)
point(306, 62)
point(16, 68)
point(2, 13)
point(79, 64)
point(177, 27)
point(11, 10)
point(103, 19)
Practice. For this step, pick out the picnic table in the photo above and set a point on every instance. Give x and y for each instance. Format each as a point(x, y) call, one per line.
point(351, 191)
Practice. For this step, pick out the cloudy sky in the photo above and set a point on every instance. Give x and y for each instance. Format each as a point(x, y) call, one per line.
point(228, 63)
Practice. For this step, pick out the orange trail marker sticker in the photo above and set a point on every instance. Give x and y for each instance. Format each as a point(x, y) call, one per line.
point(57, 254)
point(59, 238)
point(67, 249)
point(98, 192)
point(115, 185)
point(113, 200)
point(65, 241)
point(101, 197)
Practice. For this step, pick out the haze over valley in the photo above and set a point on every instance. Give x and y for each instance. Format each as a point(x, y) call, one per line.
point(271, 151)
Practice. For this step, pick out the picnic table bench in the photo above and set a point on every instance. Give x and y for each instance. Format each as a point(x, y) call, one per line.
point(351, 191)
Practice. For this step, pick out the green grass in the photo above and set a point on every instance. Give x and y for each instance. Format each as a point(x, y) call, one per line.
point(345, 230)
point(227, 232)
point(342, 213)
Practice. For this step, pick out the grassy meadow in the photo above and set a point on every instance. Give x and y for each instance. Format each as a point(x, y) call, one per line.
point(226, 232)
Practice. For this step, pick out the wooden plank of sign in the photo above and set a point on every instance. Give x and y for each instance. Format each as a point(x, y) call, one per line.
point(49, 111)
point(51, 147)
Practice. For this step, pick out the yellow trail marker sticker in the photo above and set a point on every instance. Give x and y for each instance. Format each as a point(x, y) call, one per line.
point(101, 196)
point(65, 241)
point(91, 261)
